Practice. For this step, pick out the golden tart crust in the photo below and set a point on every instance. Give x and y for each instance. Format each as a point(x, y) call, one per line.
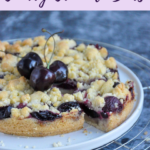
point(33, 128)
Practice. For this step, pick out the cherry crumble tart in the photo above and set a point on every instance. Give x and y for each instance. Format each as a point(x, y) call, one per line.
point(40, 96)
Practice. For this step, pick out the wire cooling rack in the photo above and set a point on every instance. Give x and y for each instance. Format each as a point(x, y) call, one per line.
point(138, 136)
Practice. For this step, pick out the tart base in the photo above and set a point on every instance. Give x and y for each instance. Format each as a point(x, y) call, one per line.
point(33, 128)
point(114, 120)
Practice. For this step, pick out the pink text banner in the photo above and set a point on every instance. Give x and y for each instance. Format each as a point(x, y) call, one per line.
point(74, 4)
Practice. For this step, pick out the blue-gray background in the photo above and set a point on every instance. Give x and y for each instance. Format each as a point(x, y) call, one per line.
point(127, 29)
point(130, 30)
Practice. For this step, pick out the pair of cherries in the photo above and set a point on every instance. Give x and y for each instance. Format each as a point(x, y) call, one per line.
point(41, 78)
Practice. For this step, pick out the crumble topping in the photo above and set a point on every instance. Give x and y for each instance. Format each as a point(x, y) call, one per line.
point(2, 46)
point(104, 53)
point(111, 75)
point(100, 89)
point(98, 103)
point(81, 47)
point(95, 74)
point(9, 63)
point(121, 91)
point(78, 96)
point(20, 113)
point(111, 63)
point(92, 53)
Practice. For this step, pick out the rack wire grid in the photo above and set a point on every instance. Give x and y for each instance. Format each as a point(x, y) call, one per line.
point(138, 136)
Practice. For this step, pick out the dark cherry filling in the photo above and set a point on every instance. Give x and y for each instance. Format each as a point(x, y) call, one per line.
point(45, 116)
point(98, 47)
point(5, 112)
point(82, 90)
point(132, 92)
point(104, 114)
point(131, 89)
point(66, 107)
point(21, 105)
point(15, 54)
point(114, 71)
point(112, 104)
point(115, 84)
point(68, 84)
point(111, 101)
point(88, 111)
point(2, 76)
point(36, 45)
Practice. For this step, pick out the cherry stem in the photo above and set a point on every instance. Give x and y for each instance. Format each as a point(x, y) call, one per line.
point(44, 30)
point(9, 53)
point(51, 35)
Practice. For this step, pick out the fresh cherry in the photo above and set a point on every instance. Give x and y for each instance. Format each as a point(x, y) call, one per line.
point(41, 78)
point(60, 70)
point(28, 63)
